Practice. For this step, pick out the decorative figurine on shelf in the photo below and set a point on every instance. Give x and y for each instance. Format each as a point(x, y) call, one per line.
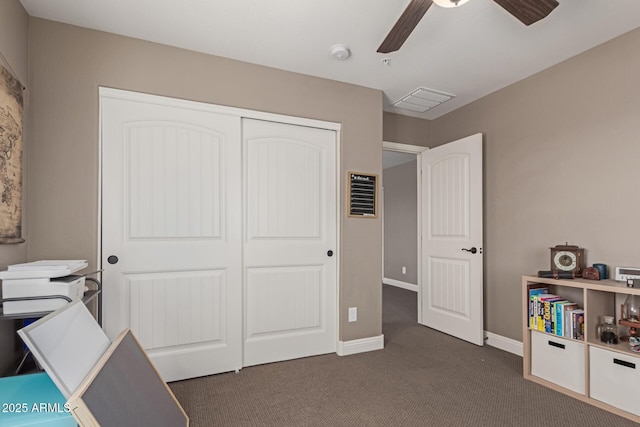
point(630, 313)
point(591, 273)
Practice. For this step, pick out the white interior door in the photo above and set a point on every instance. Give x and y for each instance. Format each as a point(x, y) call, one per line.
point(171, 214)
point(452, 260)
point(290, 229)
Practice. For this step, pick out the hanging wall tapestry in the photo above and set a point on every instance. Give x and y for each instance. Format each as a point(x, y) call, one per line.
point(10, 158)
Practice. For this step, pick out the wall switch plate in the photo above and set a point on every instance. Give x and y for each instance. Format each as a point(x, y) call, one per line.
point(353, 314)
point(404, 270)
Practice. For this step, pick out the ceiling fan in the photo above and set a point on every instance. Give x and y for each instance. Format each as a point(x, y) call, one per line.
point(527, 11)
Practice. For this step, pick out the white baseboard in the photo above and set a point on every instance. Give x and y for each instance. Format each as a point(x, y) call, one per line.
point(503, 343)
point(345, 348)
point(400, 284)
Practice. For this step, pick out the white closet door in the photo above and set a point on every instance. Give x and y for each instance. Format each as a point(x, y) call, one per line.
point(290, 241)
point(171, 214)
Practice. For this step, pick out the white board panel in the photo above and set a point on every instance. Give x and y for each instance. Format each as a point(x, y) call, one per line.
point(67, 343)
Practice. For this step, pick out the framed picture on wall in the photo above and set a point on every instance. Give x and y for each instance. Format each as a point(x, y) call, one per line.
point(10, 158)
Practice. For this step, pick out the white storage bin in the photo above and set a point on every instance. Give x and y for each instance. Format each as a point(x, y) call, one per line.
point(615, 378)
point(69, 286)
point(558, 360)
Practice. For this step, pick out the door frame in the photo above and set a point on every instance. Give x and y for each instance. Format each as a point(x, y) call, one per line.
point(417, 150)
point(107, 92)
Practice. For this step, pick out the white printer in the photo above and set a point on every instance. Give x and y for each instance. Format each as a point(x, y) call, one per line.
point(44, 278)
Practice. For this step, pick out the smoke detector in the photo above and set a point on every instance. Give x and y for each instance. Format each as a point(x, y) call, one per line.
point(340, 52)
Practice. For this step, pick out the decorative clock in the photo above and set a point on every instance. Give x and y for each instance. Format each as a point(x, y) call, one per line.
point(567, 258)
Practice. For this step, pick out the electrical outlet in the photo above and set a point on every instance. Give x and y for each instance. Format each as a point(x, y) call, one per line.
point(404, 270)
point(353, 314)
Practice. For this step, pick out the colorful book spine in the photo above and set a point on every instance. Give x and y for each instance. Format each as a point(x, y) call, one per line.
point(533, 304)
point(561, 316)
point(542, 299)
point(554, 315)
point(579, 324)
point(546, 313)
point(540, 310)
point(576, 327)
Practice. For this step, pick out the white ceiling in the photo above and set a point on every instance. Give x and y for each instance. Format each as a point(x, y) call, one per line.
point(469, 51)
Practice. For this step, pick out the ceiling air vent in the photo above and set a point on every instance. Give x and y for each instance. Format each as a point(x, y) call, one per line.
point(422, 99)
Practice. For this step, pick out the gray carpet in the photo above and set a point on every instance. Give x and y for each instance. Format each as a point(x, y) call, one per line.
point(421, 378)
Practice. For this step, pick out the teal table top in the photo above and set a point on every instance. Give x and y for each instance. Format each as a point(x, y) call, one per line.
point(32, 400)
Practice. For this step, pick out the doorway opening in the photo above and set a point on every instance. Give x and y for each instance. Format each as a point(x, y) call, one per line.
point(401, 225)
point(449, 237)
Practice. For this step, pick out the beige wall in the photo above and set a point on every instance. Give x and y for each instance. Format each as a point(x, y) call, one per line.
point(401, 222)
point(561, 164)
point(406, 130)
point(14, 32)
point(69, 63)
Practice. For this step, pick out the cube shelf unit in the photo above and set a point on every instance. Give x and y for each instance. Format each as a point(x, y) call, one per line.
point(603, 375)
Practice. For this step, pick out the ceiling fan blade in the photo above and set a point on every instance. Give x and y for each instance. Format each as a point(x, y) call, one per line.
point(528, 11)
point(405, 25)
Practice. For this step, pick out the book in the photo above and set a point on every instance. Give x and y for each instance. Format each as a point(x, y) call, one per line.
point(544, 311)
point(578, 324)
point(554, 315)
point(568, 323)
point(548, 311)
point(561, 310)
point(539, 308)
point(540, 299)
point(534, 291)
point(575, 324)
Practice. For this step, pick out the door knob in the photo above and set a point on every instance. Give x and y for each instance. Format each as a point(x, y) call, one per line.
point(329, 252)
point(112, 259)
point(473, 250)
